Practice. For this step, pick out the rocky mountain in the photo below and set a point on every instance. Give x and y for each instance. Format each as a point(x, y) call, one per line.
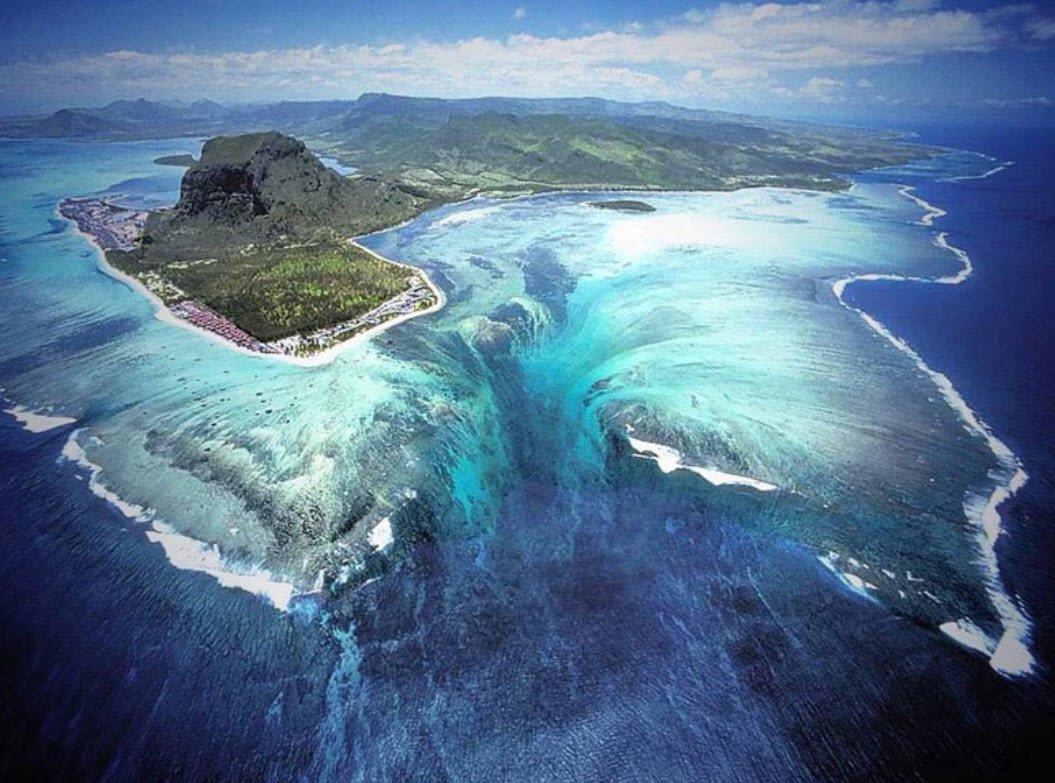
point(265, 189)
point(72, 123)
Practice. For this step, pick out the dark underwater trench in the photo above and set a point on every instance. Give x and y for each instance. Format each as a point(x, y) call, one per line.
point(616, 622)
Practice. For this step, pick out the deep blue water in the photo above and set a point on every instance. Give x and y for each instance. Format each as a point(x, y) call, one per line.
point(993, 333)
point(608, 631)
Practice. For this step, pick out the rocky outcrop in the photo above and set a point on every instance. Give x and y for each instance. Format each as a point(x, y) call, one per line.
point(262, 189)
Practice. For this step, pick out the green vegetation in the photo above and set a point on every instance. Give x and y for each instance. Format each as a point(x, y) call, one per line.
point(260, 236)
point(185, 160)
point(277, 293)
point(445, 152)
point(624, 205)
point(429, 150)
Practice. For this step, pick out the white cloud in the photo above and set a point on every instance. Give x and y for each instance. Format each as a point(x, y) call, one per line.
point(750, 45)
point(1042, 29)
point(1017, 103)
point(520, 13)
point(823, 88)
point(909, 6)
point(739, 74)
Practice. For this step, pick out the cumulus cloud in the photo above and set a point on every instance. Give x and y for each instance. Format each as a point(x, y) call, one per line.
point(823, 88)
point(520, 13)
point(702, 50)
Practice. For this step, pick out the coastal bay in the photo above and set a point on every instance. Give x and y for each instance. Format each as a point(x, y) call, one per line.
point(256, 248)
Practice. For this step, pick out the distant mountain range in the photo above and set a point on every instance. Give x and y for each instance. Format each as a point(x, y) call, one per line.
point(138, 119)
point(441, 150)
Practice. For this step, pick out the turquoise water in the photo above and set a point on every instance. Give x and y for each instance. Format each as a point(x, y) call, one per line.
point(707, 326)
point(551, 454)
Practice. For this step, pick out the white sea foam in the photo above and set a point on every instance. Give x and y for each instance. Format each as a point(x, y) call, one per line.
point(670, 459)
point(466, 216)
point(73, 452)
point(1011, 656)
point(189, 554)
point(184, 552)
point(930, 212)
point(37, 422)
point(852, 581)
point(969, 635)
point(994, 170)
point(380, 535)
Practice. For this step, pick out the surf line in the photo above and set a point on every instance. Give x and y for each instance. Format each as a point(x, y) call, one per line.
point(670, 459)
point(183, 552)
point(995, 170)
point(1010, 655)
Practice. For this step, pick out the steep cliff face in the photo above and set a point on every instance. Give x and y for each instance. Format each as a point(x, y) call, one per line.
point(242, 178)
point(222, 192)
point(266, 188)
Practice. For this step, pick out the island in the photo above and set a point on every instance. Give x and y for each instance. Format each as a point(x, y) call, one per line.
point(183, 160)
point(623, 205)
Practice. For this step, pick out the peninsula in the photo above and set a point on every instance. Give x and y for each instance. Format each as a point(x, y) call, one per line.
point(257, 249)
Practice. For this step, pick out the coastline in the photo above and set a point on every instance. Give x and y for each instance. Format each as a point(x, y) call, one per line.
point(164, 314)
point(1009, 655)
point(328, 355)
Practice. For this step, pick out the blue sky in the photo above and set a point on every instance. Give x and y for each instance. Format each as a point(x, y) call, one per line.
point(834, 59)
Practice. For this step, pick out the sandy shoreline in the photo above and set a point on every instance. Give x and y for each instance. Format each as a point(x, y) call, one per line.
point(164, 314)
point(331, 353)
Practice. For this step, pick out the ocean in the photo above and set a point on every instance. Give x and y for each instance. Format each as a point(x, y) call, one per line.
point(646, 500)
